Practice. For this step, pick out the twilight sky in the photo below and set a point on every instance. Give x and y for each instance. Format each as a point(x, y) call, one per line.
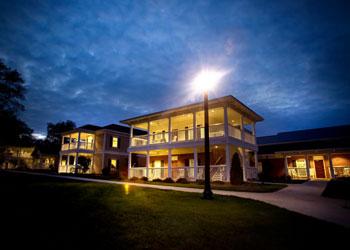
point(100, 62)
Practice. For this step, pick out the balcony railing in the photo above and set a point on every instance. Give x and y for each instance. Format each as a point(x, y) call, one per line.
point(139, 140)
point(234, 132)
point(157, 138)
point(248, 137)
point(182, 135)
point(82, 145)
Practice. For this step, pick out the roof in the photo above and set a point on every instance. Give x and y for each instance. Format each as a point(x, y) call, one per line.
point(238, 105)
point(113, 127)
point(309, 139)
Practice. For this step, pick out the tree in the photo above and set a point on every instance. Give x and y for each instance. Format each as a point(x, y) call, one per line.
point(236, 173)
point(13, 131)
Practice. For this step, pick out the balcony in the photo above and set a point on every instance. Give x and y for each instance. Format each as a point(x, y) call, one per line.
point(74, 145)
point(215, 130)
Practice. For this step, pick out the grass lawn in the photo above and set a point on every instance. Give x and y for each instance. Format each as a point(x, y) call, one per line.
point(48, 213)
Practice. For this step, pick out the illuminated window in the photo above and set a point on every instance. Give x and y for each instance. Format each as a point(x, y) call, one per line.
point(115, 142)
point(113, 163)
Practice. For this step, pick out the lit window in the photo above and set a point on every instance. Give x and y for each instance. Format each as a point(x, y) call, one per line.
point(115, 142)
point(113, 163)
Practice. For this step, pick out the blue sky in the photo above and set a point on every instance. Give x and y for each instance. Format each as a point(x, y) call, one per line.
point(100, 62)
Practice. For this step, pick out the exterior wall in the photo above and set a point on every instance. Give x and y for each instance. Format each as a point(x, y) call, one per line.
point(273, 168)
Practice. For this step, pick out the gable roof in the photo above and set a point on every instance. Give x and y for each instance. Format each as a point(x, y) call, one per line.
point(113, 127)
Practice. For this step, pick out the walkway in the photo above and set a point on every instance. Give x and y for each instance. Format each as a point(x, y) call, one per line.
point(301, 198)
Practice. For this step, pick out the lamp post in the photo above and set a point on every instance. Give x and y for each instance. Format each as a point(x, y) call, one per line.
point(205, 81)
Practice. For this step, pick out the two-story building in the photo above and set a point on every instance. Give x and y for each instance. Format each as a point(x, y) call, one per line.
point(93, 149)
point(174, 144)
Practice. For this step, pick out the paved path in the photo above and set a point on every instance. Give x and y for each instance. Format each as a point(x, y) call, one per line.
point(302, 198)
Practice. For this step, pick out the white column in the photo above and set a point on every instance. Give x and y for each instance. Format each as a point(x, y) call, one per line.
point(195, 165)
point(228, 162)
point(169, 164)
point(103, 150)
point(226, 123)
point(286, 166)
point(148, 137)
point(70, 140)
point(194, 127)
point(131, 134)
point(242, 129)
point(307, 166)
point(77, 154)
point(331, 168)
point(60, 163)
point(243, 165)
point(147, 163)
point(129, 164)
point(256, 160)
point(169, 130)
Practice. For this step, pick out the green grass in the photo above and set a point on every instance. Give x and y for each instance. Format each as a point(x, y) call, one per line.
point(47, 213)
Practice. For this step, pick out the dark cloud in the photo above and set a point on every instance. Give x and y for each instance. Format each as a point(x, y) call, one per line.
point(100, 62)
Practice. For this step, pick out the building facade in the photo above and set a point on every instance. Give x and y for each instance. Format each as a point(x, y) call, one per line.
point(95, 150)
point(173, 145)
point(321, 153)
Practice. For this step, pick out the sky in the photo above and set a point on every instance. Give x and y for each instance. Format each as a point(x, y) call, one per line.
point(99, 62)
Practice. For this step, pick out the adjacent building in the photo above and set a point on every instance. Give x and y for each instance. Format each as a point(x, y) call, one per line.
point(173, 145)
point(93, 149)
point(320, 153)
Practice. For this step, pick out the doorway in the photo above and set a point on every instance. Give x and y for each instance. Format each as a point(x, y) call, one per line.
point(319, 169)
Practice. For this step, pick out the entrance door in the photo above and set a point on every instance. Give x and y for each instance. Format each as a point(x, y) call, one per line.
point(319, 169)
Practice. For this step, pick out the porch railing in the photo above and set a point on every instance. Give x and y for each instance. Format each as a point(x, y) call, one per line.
point(234, 132)
point(248, 137)
point(340, 171)
point(157, 173)
point(182, 135)
point(297, 173)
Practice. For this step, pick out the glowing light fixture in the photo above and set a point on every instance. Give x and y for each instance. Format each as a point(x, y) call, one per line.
point(207, 79)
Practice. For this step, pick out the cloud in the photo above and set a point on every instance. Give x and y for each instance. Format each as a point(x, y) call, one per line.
point(103, 62)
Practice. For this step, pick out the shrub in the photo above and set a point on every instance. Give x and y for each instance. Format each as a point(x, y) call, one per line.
point(236, 173)
point(219, 182)
point(157, 180)
point(106, 171)
point(134, 179)
point(182, 180)
point(338, 188)
point(200, 182)
point(168, 180)
point(144, 178)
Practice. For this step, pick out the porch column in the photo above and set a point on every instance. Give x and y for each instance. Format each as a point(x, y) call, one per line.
point(60, 162)
point(226, 122)
point(103, 149)
point(256, 161)
point(131, 134)
point(129, 165)
point(228, 162)
point(169, 130)
point(169, 163)
point(307, 166)
point(195, 164)
point(147, 163)
point(194, 127)
point(242, 129)
point(148, 133)
point(77, 154)
point(331, 168)
point(286, 166)
point(243, 165)
point(70, 140)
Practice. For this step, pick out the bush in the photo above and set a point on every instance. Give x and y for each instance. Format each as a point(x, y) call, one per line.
point(236, 173)
point(157, 180)
point(338, 188)
point(106, 171)
point(134, 179)
point(144, 178)
point(219, 182)
point(182, 180)
point(200, 182)
point(169, 180)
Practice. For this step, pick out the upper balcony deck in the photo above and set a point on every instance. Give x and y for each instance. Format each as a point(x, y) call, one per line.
point(78, 141)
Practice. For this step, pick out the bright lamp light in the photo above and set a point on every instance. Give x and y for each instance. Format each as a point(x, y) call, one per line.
point(207, 79)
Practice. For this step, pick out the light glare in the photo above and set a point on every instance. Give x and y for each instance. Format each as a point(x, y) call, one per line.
point(207, 79)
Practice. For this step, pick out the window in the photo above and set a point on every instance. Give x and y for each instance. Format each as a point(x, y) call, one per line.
point(115, 142)
point(113, 163)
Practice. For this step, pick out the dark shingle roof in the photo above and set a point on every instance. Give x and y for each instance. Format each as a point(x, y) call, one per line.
point(114, 127)
point(309, 139)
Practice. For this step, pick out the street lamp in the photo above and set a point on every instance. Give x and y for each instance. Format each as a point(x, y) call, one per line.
point(205, 81)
